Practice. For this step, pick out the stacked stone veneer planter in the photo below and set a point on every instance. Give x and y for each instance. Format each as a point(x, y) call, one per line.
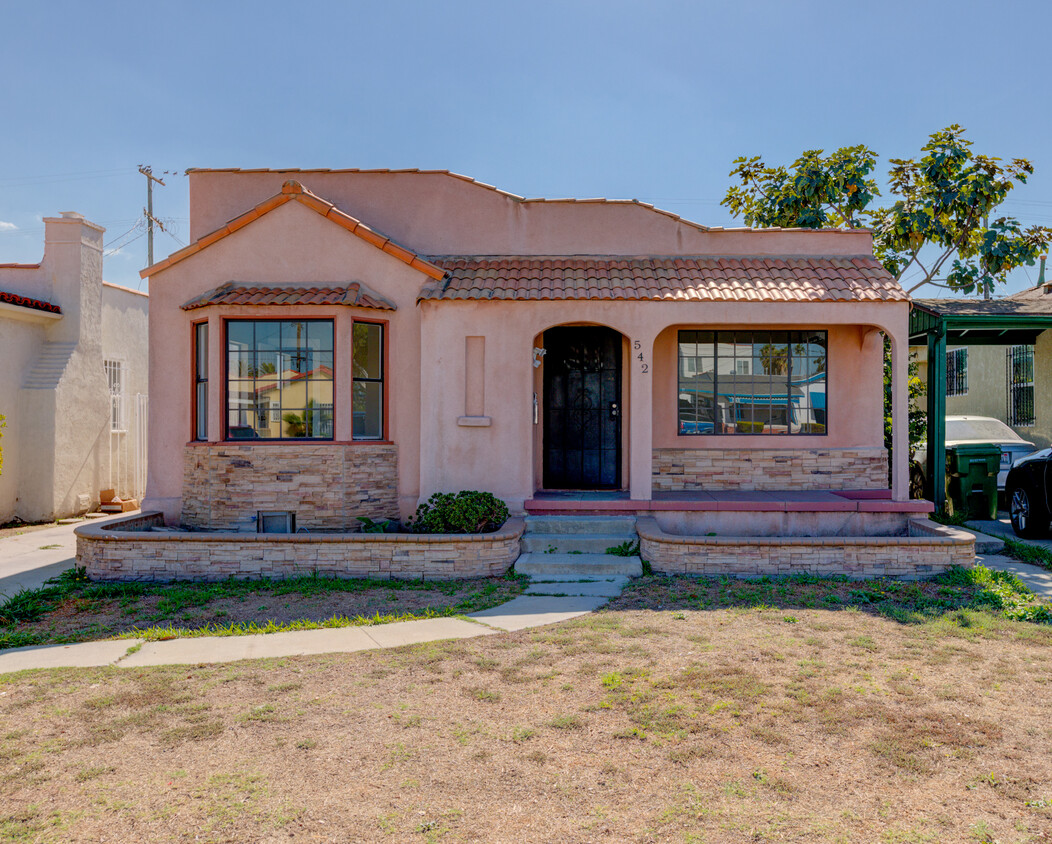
point(327, 485)
point(770, 469)
point(129, 549)
point(926, 549)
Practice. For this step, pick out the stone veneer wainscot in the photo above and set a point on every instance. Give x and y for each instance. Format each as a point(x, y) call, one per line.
point(127, 549)
point(328, 485)
point(770, 469)
point(927, 550)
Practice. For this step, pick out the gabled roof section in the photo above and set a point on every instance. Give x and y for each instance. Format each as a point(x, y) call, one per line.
point(28, 302)
point(293, 191)
point(355, 295)
point(698, 278)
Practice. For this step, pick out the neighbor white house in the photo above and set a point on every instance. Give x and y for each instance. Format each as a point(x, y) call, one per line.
point(73, 380)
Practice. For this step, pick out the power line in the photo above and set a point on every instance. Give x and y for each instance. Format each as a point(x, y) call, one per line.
point(24, 181)
point(124, 245)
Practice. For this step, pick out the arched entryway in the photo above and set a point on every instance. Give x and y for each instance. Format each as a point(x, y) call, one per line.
point(582, 408)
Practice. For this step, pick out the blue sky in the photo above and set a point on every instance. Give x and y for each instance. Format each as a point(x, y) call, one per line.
point(646, 100)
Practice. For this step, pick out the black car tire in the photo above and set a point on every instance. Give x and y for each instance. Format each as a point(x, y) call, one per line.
point(1030, 516)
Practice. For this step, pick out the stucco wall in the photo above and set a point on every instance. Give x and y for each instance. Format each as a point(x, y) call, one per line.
point(290, 246)
point(438, 214)
point(503, 454)
point(125, 318)
point(53, 386)
point(446, 438)
point(20, 342)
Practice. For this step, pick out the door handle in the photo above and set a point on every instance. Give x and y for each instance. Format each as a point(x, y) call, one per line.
point(615, 411)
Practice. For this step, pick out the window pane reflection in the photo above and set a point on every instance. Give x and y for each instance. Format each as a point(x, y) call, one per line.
point(279, 379)
point(752, 382)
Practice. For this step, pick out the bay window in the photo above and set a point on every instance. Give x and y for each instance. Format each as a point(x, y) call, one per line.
point(279, 379)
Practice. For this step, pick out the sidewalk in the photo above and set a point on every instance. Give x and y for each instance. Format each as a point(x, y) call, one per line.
point(30, 559)
point(544, 602)
point(1037, 579)
point(1002, 529)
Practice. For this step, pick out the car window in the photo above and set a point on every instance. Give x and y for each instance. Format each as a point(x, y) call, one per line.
point(979, 429)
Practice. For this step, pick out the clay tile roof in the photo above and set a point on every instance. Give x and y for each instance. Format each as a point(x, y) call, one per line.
point(27, 302)
point(293, 191)
point(700, 278)
point(355, 295)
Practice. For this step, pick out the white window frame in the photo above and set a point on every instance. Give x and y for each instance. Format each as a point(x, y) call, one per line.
point(115, 371)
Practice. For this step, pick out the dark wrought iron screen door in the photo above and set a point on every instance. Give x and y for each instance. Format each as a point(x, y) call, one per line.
point(582, 408)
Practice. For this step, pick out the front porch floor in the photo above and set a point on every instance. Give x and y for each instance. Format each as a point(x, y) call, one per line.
point(813, 501)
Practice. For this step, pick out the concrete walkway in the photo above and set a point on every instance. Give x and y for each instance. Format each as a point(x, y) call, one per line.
point(544, 602)
point(30, 559)
point(1037, 579)
point(1002, 529)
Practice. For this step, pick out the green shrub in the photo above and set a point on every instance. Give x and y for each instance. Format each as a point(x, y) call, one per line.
point(468, 511)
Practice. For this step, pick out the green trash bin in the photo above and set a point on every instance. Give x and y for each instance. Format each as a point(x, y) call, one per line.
point(971, 479)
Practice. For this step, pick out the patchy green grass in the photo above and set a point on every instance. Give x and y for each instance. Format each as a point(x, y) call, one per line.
point(1033, 554)
point(898, 713)
point(70, 608)
point(956, 592)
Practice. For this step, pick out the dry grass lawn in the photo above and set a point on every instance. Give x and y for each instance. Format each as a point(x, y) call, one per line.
point(652, 721)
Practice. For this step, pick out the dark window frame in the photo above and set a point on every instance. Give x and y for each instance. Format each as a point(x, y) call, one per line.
point(1022, 408)
point(716, 341)
point(226, 380)
point(957, 372)
point(382, 381)
point(196, 435)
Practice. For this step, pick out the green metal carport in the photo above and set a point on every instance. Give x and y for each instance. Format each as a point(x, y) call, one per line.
point(938, 323)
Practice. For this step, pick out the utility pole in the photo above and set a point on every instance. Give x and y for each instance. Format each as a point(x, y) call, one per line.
point(148, 211)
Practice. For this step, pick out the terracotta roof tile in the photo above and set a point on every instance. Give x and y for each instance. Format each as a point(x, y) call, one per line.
point(27, 302)
point(700, 278)
point(294, 191)
point(355, 295)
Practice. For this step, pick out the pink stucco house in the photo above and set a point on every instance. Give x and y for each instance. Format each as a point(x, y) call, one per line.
point(338, 343)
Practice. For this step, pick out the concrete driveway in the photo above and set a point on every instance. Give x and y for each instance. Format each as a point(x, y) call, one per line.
point(29, 559)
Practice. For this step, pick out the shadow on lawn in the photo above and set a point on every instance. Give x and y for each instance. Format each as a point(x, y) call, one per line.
point(958, 592)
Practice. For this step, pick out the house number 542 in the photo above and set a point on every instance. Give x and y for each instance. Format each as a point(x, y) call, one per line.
point(637, 347)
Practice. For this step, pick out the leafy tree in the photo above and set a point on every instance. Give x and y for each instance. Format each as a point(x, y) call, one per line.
point(814, 193)
point(939, 224)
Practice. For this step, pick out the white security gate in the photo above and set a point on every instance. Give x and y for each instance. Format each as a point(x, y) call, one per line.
point(127, 444)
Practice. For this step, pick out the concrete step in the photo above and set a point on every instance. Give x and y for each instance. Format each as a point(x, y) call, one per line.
point(609, 587)
point(582, 565)
point(563, 543)
point(580, 524)
point(986, 544)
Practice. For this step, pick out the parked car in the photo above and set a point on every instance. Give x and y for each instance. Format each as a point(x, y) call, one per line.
point(973, 430)
point(1029, 492)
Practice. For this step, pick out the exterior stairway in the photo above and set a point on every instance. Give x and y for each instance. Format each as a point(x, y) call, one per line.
point(577, 546)
point(49, 366)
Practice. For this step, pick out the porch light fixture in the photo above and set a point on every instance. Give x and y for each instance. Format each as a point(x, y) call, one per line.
point(537, 355)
